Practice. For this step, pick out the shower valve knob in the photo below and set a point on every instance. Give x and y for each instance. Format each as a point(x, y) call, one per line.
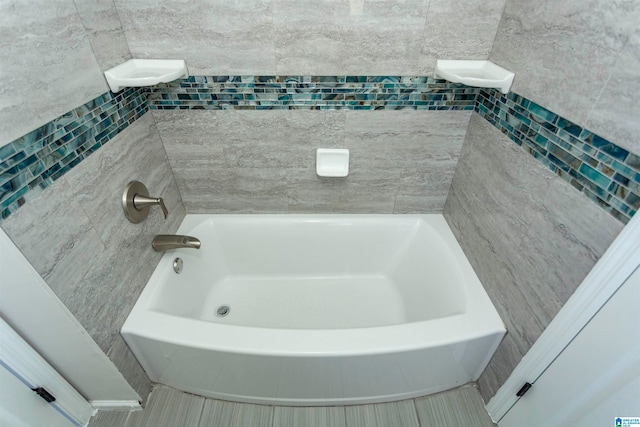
point(136, 202)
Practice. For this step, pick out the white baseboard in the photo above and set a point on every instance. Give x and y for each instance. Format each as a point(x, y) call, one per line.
point(116, 405)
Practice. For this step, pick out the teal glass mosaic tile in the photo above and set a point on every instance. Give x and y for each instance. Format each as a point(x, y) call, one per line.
point(312, 93)
point(34, 161)
point(606, 173)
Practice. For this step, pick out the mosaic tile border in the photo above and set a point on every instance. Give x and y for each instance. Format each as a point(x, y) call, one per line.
point(312, 93)
point(606, 173)
point(34, 161)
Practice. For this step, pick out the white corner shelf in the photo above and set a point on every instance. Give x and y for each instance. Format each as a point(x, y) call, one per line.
point(332, 162)
point(477, 73)
point(145, 72)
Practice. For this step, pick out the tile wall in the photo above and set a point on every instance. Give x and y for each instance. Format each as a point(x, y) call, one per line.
point(311, 37)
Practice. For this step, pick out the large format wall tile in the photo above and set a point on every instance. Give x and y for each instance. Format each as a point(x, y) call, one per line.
point(213, 36)
point(615, 114)
point(102, 23)
point(264, 161)
point(348, 37)
point(561, 51)
point(48, 66)
point(459, 29)
point(530, 236)
point(93, 258)
point(323, 37)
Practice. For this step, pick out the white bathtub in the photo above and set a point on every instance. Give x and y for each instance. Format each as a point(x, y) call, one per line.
point(324, 310)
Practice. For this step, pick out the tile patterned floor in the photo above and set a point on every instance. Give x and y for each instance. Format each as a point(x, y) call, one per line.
point(168, 408)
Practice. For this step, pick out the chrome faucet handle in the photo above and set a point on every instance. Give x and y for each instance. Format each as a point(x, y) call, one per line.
point(136, 202)
point(140, 202)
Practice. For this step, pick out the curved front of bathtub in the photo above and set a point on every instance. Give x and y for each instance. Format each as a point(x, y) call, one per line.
point(294, 377)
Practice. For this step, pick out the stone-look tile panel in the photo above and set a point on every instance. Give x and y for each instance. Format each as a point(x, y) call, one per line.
point(459, 29)
point(401, 413)
point(89, 254)
point(264, 161)
point(462, 406)
point(213, 36)
point(126, 363)
point(54, 233)
point(102, 23)
point(363, 191)
point(278, 139)
point(48, 66)
point(530, 237)
point(348, 37)
point(422, 149)
point(555, 47)
point(287, 416)
point(615, 114)
point(217, 413)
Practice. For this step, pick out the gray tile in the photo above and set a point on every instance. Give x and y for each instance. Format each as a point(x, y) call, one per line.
point(470, 38)
point(423, 192)
point(46, 73)
point(459, 407)
point(232, 190)
point(55, 235)
point(401, 413)
point(615, 114)
point(215, 37)
point(506, 358)
point(564, 242)
point(363, 191)
point(127, 364)
point(109, 419)
point(348, 37)
point(218, 413)
point(102, 24)
point(190, 135)
point(278, 139)
point(494, 260)
point(284, 416)
point(412, 139)
point(168, 407)
point(555, 47)
point(506, 184)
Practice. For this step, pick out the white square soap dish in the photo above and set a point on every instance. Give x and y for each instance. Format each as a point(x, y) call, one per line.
point(332, 162)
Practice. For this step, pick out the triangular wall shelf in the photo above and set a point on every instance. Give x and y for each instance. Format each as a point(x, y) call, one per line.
point(145, 72)
point(477, 73)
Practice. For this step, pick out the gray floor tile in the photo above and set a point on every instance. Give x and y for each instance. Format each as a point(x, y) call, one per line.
point(458, 407)
point(394, 414)
point(218, 413)
point(109, 419)
point(284, 416)
point(168, 407)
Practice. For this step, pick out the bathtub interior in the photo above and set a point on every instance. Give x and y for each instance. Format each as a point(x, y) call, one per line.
point(297, 272)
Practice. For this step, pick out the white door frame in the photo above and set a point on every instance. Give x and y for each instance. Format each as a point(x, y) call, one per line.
point(20, 359)
point(32, 309)
point(610, 272)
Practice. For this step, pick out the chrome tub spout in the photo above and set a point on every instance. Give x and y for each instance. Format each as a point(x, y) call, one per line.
point(165, 242)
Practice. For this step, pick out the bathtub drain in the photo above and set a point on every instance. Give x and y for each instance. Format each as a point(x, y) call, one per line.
point(223, 310)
